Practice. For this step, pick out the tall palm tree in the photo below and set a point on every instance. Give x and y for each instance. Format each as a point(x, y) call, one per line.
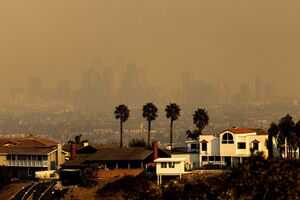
point(200, 119)
point(272, 132)
point(150, 114)
point(122, 113)
point(172, 113)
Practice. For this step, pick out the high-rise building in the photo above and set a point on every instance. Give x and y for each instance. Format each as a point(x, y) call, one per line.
point(63, 90)
point(34, 89)
point(269, 92)
point(258, 88)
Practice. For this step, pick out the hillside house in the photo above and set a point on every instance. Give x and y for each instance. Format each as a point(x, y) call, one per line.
point(21, 157)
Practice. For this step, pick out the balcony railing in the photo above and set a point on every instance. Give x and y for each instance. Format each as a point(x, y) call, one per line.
point(26, 163)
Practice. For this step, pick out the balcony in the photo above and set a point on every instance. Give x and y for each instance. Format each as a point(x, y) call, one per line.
point(26, 163)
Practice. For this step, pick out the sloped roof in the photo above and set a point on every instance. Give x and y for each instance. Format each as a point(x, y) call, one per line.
point(247, 130)
point(120, 154)
point(77, 162)
point(27, 146)
point(240, 130)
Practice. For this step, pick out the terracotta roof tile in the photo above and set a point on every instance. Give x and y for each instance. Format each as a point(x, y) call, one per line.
point(241, 130)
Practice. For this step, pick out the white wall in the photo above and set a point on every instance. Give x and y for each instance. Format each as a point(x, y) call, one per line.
point(192, 158)
point(213, 147)
point(178, 169)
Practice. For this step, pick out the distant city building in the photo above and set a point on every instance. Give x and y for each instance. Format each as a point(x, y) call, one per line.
point(34, 89)
point(63, 91)
point(17, 92)
point(258, 88)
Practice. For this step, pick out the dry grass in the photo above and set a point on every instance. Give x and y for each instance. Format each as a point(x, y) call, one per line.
point(89, 193)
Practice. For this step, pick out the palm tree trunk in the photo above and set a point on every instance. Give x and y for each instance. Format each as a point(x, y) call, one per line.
point(121, 134)
point(171, 135)
point(149, 131)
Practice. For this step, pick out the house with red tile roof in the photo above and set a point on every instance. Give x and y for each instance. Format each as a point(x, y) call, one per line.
point(227, 148)
point(231, 146)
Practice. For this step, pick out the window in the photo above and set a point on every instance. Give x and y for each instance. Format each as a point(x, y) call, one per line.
point(241, 145)
point(204, 158)
point(255, 146)
point(217, 158)
point(164, 165)
point(204, 146)
point(39, 157)
point(171, 165)
point(22, 157)
point(194, 146)
point(211, 158)
point(227, 139)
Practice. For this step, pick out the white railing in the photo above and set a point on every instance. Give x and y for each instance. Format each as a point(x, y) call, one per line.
point(26, 163)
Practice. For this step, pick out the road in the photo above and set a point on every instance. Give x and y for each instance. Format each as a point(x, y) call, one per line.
point(43, 190)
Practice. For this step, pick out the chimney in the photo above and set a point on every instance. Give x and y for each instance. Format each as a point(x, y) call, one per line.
point(155, 149)
point(73, 151)
point(58, 155)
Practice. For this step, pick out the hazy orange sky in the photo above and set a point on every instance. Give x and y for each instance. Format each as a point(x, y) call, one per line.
point(233, 39)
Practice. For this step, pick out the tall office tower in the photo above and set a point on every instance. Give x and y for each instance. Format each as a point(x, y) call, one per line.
point(34, 89)
point(89, 92)
point(63, 90)
point(108, 84)
point(131, 85)
point(228, 95)
point(269, 92)
point(258, 88)
point(244, 96)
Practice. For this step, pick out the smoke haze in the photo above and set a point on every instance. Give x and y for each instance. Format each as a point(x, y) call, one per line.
point(232, 40)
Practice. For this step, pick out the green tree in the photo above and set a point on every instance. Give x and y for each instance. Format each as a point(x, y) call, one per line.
point(200, 119)
point(272, 132)
point(173, 113)
point(286, 127)
point(137, 143)
point(122, 113)
point(150, 114)
point(297, 131)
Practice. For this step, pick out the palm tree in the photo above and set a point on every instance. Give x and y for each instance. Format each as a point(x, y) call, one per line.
point(150, 114)
point(172, 113)
point(77, 140)
point(122, 113)
point(192, 135)
point(272, 132)
point(200, 119)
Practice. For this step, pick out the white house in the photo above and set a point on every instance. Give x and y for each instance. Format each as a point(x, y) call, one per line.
point(169, 167)
point(231, 146)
